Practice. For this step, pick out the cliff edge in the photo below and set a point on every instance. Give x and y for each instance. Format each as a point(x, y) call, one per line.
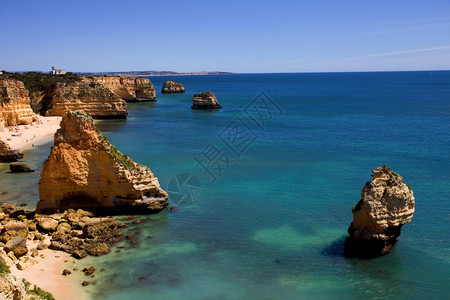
point(130, 89)
point(15, 106)
point(386, 205)
point(86, 95)
point(85, 171)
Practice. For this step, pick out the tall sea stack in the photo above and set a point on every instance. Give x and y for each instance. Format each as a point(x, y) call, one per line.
point(205, 100)
point(85, 171)
point(172, 87)
point(386, 205)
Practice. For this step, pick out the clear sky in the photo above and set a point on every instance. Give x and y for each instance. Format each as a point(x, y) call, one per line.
point(227, 35)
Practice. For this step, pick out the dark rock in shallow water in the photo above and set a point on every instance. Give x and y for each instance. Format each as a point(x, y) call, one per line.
point(89, 270)
point(172, 87)
point(7, 154)
point(66, 272)
point(386, 205)
point(205, 100)
point(138, 221)
point(20, 168)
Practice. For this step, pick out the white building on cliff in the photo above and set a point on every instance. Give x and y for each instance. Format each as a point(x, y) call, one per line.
point(57, 71)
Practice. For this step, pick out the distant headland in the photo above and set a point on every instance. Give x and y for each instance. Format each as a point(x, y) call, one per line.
point(154, 73)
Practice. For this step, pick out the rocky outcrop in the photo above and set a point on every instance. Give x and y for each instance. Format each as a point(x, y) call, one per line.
point(86, 95)
point(172, 87)
point(130, 89)
point(7, 154)
point(18, 245)
point(77, 232)
point(205, 100)
point(386, 205)
point(20, 168)
point(15, 106)
point(85, 171)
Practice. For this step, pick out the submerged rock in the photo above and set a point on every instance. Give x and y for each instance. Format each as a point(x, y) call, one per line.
point(205, 100)
point(20, 168)
point(7, 154)
point(85, 171)
point(386, 205)
point(172, 87)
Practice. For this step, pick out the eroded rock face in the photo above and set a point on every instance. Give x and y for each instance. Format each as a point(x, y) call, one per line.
point(86, 95)
point(205, 100)
point(386, 205)
point(85, 171)
point(15, 106)
point(7, 154)
point(172, 87)
point(130, 89)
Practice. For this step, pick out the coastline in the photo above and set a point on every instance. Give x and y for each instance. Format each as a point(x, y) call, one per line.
point(25, 136)
point(47, 273)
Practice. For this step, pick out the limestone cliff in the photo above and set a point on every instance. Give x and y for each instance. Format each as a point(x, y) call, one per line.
point(386, 205)
point(85, 95)
point(15, 106)
point(85, 171)
point(205, 100)
point(130, 89)
point(172, 87)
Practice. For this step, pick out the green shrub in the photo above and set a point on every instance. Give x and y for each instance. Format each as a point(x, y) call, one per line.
point(4, 269)
point(37, 291)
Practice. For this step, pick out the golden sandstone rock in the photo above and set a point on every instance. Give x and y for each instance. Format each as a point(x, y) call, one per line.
point(86, 95)
point(172, 87)
point(386, 205)
point(205, 100)
point(130, 89)
point(15, 106)
point(85, 171)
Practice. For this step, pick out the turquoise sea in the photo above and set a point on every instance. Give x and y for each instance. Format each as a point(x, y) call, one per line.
point(264, 187)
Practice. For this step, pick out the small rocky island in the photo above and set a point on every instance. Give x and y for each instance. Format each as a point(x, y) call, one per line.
point(85, 171)
point(386, 205)
point(205, 100)
point(172, 87)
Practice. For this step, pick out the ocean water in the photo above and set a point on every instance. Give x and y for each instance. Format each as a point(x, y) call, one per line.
point(264, 188)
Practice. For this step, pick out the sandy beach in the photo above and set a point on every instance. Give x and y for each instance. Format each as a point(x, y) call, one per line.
point(47, 274)
point(25, 136)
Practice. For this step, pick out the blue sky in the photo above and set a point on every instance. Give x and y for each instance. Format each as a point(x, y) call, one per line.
point(235, 36)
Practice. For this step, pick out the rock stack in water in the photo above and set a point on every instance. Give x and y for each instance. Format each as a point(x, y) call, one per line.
point(205, 100)
point(85, 171)
point(386, 205)
point(172, 87)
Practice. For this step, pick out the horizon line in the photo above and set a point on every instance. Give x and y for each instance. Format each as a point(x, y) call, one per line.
point(236, 73)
